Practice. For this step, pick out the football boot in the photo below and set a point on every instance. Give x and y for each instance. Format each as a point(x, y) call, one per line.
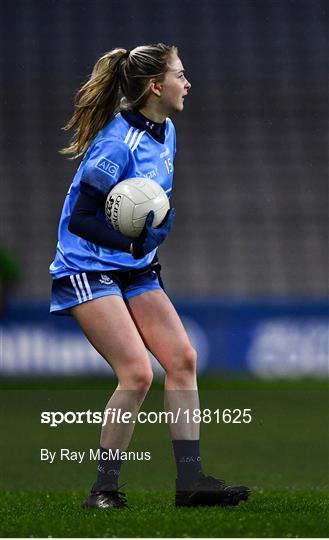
point(106, 499)
point(210, 491)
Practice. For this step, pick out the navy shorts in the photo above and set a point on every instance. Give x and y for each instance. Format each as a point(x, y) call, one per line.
point(72, 290)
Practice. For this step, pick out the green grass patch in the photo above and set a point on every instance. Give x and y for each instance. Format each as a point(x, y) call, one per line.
point(152, 514)
point(282, 455)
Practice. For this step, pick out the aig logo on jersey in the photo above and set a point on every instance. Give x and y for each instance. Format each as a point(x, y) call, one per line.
point(108, 166)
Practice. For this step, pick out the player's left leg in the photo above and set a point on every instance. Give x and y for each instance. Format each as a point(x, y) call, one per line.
point(165, 336)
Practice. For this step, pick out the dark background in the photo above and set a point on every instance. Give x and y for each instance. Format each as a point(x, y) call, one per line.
point(251, 169)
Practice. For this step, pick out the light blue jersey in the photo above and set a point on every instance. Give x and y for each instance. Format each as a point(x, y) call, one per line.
point(119, 151)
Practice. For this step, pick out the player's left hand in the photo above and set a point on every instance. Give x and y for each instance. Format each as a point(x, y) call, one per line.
point(151, 237)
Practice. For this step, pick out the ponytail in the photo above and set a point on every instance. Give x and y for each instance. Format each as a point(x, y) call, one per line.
point(96, 102)
point(117, 74)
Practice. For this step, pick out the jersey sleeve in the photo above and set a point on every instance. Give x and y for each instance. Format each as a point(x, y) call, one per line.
point(174, 137)
point(105, 166)
point(172, 134)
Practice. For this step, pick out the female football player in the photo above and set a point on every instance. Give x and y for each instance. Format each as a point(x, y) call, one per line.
point(110, 283)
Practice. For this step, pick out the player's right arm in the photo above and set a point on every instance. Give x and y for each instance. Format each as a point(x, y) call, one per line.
point(105, 166)
point(85, 223)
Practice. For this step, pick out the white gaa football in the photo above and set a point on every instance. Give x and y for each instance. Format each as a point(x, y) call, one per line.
point(129, 202)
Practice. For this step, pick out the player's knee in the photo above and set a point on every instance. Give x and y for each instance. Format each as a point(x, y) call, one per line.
point(140, 379)
point(186, 362)
point(189, 359)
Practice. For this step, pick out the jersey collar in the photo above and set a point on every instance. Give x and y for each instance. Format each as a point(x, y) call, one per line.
point(138, 120)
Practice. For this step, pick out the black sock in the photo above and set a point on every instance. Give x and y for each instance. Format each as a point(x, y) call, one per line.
point(108, 470)
point(188, 461)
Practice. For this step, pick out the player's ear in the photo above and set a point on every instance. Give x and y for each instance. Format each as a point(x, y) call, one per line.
point(156, 87)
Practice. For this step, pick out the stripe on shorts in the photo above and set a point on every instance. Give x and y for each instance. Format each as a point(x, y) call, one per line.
point(77, 292)
point(88, 289)
point(81, 286)
point(83, 292)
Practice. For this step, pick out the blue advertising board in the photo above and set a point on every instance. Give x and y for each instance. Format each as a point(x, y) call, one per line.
point(264, 338)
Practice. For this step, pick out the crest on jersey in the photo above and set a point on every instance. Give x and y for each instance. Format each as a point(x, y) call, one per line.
point(105, 280)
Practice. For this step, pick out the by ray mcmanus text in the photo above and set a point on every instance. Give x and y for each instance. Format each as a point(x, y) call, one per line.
point(77, 456)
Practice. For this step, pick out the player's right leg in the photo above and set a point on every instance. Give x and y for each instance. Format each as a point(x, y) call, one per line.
point(108, 326)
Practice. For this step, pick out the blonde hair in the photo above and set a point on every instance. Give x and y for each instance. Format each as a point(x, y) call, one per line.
point(118, 81)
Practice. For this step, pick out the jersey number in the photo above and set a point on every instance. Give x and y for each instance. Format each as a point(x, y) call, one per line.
point(168, 165)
